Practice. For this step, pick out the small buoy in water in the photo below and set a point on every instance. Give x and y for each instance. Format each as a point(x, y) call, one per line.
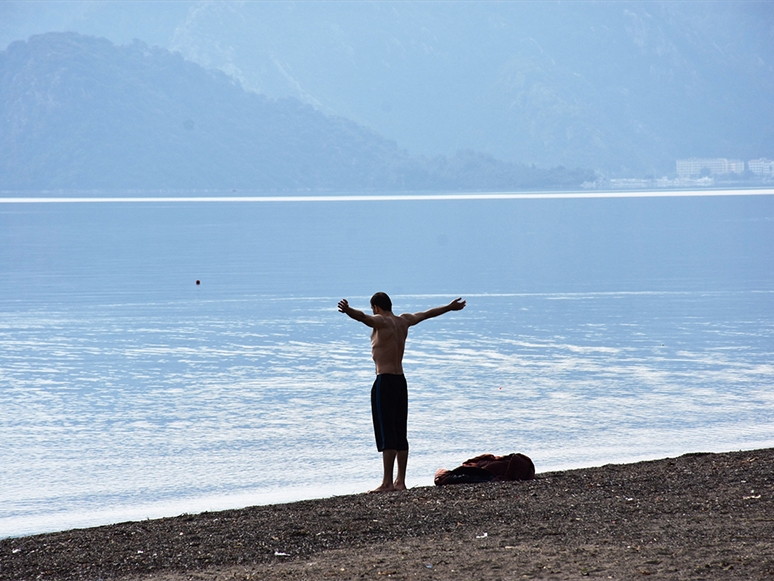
point(198, 282)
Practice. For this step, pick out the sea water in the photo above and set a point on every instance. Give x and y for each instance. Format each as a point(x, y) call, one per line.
point(596, 331)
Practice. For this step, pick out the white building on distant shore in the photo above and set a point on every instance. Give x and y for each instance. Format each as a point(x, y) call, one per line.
point(694, 166)
point(761, 167)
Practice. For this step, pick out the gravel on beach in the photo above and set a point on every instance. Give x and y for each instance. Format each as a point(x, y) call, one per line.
point(699, 516)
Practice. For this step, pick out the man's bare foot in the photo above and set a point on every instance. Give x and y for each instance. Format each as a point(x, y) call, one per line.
point(383, 488)
point(399, 485)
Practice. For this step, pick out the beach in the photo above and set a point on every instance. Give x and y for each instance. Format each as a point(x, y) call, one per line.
point(697, 516)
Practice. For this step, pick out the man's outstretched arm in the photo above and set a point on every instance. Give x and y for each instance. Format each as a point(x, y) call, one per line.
point(370, 320)
point(413, 319)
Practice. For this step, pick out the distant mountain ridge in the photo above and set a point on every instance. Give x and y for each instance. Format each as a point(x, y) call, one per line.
point(624, 87)
point(77, 112)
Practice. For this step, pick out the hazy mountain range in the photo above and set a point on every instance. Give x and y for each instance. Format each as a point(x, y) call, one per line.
point(623, 88)
point(78, 112)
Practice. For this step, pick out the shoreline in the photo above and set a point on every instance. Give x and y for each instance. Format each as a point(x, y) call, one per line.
point(697, 516)
point(141, 512)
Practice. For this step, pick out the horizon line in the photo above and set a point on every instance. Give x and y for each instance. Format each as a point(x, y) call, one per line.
point(394, 197)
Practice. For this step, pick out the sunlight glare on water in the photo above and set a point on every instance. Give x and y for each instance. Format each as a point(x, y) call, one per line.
point(123, 406)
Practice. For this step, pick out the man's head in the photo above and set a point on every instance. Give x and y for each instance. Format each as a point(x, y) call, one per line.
point(382, 301)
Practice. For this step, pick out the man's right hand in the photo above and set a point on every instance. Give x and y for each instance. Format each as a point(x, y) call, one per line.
point(457, 304)
point(343, 306)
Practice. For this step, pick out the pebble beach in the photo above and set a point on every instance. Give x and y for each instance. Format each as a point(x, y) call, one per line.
point(697, 516)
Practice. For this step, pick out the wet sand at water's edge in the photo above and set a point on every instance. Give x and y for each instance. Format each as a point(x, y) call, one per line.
point(699, 516)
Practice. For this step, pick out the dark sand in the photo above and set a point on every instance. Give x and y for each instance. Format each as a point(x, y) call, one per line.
point(699, 516)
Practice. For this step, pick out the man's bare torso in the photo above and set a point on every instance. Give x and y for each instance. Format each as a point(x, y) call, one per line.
point(388, 342)
point(389, 332)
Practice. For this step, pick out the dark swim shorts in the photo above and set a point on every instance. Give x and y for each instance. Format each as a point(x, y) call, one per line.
point(389, 407)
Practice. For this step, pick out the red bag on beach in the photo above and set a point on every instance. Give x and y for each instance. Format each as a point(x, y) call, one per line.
point(488, 468)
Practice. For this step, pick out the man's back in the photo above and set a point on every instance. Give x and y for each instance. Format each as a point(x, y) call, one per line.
point(389, 332)
point(388, 342)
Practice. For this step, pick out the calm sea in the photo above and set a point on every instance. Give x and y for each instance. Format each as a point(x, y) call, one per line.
point(596, 331)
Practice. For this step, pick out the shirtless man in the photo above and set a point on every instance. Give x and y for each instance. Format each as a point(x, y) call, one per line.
point(389, 394)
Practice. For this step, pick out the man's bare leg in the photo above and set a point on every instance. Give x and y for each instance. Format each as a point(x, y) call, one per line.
point(388, 459)
point(400, 481)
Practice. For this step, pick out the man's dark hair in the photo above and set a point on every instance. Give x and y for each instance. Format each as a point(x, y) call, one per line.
point(382, 301)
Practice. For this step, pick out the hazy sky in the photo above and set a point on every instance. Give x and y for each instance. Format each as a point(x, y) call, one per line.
point(152, 22)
